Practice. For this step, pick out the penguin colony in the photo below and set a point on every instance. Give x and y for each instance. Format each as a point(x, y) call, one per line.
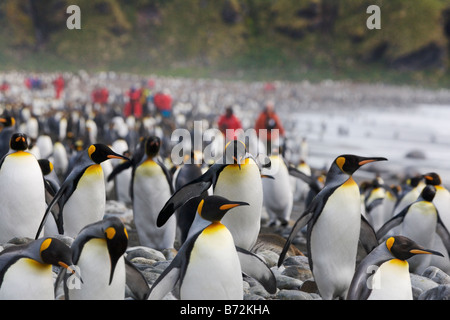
point(57, 182)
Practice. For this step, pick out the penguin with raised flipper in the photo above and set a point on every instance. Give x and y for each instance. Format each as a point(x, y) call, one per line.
point(236, 176)
point(82, 196)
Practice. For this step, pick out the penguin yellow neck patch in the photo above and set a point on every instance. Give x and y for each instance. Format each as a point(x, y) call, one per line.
point(94, 169)
point(214, 227)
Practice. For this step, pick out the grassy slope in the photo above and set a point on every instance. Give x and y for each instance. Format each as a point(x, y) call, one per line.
point(191, 40)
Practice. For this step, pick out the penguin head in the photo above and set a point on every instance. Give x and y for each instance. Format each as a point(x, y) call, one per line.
point(428, 193)
point(8, 121)
point(18, 142)
point(213, 208)
point(349, 163)
point(55, 252)
point(112, 230)
point(414, 181)
point(116, 241)
point(404, 248)
point(235, 152)
point(152, 146)
point(432, 178)
point(100, 152)
point(46, 166)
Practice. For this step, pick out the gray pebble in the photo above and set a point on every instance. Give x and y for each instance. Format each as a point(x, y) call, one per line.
point(441, 292)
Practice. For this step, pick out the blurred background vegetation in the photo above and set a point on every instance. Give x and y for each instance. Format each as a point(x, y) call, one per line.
point(233, 39)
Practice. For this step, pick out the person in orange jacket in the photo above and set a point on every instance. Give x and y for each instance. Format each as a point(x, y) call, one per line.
point(269, 121)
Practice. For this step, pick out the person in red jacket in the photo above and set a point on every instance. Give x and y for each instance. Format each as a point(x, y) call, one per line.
point(58, 83)
point(163, 103)
point(268, 126)
point(133, 106)
point(228, 123)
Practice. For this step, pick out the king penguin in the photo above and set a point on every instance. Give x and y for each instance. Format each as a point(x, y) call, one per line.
point(334, 222)
point(26, 270)
point(378, 203)
point(235, 176)
point(442, 202)
point(152, 187)
point(208, 265)
point(8, 127)
point(391, 280)
point(419, 221)
point(82, 196)
point(189, 170)
point(278, 197)
point(98, 252)
point(22, 191)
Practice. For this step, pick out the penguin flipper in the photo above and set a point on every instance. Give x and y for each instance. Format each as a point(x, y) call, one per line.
point(257, 269)
point(118, 169)
point(392, 223)
point(136, 282)
point(359, 287)
point(367, 236)
point(191, 190)
point(444, 234)
point(167, 173)
point(310, 180)
point(56, 200)
point(165, 283)
point(299, 224)
point(374, 204)
point(174, 272)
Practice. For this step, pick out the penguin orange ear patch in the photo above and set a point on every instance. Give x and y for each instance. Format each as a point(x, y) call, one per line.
point(340, 162)
point(200, 207)
point(110, 233)
point(91, 150)
point(45, 244)
point(390, 243)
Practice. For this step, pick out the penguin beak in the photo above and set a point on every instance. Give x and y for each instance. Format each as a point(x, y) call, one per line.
point(117, 156)
point(425, 251)
point(68, 268)
point(364, 161)
point(229, 206)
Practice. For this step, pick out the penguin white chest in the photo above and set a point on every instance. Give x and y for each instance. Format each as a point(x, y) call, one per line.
point(22, 196)
point(94, 266)
point(242, 184)
point(214, 271)
point(151, 191)
point(391, 281)
point(87, 203)
point(420, 223)
point(334, 240)
point(28, 280)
